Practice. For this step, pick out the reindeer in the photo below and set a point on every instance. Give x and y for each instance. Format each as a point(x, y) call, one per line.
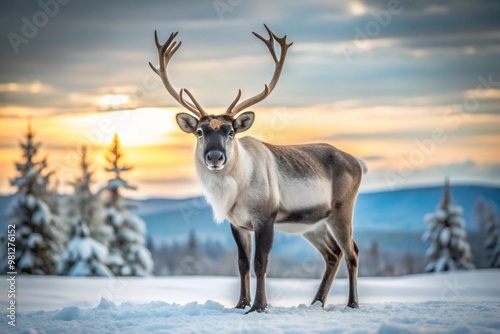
point(259, 187)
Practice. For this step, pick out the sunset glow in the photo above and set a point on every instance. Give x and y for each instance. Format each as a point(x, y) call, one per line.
point(411, 96)
point(110, 101)
point(163, 155)
point(140, 127)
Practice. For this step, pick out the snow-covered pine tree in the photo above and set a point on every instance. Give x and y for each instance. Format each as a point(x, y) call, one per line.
point(449, 250)
point(480, 214)
point(39, 233)
point(84, 256)
point(194, 262)
point(492, 240)
point(124, 231)
point(84, 204)
point(479, 221)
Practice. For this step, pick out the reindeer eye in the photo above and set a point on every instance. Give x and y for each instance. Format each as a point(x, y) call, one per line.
point(231, 133)
point(199, 133)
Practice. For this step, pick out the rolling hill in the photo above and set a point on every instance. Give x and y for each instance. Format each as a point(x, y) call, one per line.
point(393, 218)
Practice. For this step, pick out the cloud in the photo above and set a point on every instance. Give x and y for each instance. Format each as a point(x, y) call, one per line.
point(394, 87)
point(372, 157)
point(103, 49)
point(484, 93)
point(463, 172)
point(466, 130)
point(35, 87)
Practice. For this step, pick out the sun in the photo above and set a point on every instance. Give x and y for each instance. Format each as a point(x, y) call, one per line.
point(113, 102)
point(357, 8)
point(137, 127)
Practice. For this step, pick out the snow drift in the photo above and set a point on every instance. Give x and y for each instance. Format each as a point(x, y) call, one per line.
point(463, 302)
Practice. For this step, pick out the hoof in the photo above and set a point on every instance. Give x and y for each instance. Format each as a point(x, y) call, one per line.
point(242, 304)
point(317, 303)
point(258, 309)
point(353, 305)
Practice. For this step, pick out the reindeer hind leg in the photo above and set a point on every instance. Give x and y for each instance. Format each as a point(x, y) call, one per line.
point(325, 243)
point(341, 226)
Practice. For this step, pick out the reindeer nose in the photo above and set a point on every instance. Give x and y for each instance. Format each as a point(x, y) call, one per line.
point(214, 158)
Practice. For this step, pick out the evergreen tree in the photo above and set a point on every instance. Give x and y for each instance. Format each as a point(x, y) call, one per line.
point(124, 232)
point(480, 215)
point(84, 256)
point(374, 261)
point(84, 204)
point(193, 263)
point(38, 230)
point(449, 250)
point(492, 240)
point(479, 221)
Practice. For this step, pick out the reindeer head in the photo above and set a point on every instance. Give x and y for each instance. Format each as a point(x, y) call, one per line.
point(216, 133)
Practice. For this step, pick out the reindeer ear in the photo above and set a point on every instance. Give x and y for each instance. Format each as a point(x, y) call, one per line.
point(243, 122)
point(186, 122)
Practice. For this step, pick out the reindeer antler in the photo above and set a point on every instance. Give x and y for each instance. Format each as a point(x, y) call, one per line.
point(235, 109)
point(165, 53)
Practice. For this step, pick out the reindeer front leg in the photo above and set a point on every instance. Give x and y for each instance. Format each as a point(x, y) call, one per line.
point(243, 240)
point(264, 235)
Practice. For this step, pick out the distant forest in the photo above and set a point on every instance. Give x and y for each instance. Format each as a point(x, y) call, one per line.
point(95, 233)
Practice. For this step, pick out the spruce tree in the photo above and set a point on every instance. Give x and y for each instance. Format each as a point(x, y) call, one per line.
point(449, 250)
point(84, 256)
point(124, 232)
point(492, 240)
point(479, 221)
point(85, 204)
point(480, 215)
point(39, 236)
point(194, 260)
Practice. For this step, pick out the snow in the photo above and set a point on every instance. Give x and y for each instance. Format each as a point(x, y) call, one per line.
point(31, 201)
point(128, 255)
point(84, 256)
point(492, 239)
point(83, 268)
point(27, 260)
point(34, 240)
point(84, 249)
point(115, 259)
point(118, 183)
point(136, 223)
point(130, 235)
point(42, 215)
point(144, 257)
point(459, 302)
point(116, 217)
point(449, 249)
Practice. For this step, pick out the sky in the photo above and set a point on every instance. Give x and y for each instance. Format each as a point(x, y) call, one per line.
point(412, 87)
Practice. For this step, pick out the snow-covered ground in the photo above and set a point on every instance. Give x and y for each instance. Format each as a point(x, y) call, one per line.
point(466, 302)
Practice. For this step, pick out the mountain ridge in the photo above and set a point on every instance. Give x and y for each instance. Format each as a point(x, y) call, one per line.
point(378, 216)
